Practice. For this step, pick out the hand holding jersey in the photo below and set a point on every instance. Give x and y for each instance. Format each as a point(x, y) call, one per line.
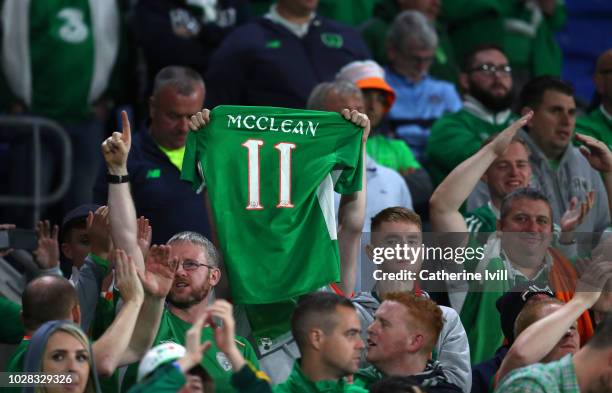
point(201, 119)
point(360, 120)
point(256, 156)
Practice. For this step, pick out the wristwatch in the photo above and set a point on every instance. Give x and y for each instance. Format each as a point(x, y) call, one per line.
point(117, 179)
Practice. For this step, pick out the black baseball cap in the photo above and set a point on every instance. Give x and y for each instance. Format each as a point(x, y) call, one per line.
point(512, 302)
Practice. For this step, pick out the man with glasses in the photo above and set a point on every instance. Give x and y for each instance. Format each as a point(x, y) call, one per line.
point(598, 123)
point(196, 276)
point(420, 100)
point(486, 80)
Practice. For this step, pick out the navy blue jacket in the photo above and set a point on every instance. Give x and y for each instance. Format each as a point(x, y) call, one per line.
point(172, 32)
point(263, 63)
point(169, 203)
point(483, 374)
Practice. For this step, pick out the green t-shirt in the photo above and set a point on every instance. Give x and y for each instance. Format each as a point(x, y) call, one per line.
point(297, 382)
point(12, 329)
point(392, 153)
point(481, 220)
point(16, 362)
point(554, 164)
point(597, 125)
point(218, 366)
point(271, 173)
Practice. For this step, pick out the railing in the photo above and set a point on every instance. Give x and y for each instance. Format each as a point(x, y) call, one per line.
point(14, 125)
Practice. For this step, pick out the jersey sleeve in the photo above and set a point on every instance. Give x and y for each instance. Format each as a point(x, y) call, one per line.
point(349, 158)
point(191, 169)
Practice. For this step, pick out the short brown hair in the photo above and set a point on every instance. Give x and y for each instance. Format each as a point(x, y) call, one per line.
point(317, 309)
point(528, 193)
point(530, 314)
point(396, 214)
point(425, 311)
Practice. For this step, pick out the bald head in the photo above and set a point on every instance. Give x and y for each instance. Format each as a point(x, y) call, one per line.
point(48, 298)
point(335, 96)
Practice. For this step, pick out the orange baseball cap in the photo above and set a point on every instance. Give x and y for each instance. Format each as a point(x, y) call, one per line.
point(367, 74)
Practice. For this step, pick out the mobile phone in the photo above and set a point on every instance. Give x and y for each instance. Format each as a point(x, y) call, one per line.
point(18, 239)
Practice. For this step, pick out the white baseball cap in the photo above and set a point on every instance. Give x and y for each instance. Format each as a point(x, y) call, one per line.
point(158, 355)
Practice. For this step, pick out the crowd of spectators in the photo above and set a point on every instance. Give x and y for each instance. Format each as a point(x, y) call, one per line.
point(400, 125)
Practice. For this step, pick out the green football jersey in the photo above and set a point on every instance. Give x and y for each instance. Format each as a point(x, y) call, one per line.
point(215, 362)
point(60, 54)
point(271, 173)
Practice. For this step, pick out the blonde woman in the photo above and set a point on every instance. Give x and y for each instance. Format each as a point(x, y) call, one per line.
point(60, 347)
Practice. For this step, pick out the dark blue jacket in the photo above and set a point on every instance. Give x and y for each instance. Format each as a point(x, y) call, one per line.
point(172, 32)
point(263, 63)
point(169, 203)
point(483, 374)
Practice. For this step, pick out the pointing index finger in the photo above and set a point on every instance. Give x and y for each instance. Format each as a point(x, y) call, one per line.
point(125, 123)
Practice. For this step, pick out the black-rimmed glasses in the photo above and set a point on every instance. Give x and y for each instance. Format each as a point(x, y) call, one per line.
point(491, 69)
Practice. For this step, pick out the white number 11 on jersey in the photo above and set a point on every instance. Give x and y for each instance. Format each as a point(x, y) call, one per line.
point(284, 150)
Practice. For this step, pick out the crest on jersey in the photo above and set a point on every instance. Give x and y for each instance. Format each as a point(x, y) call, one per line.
point(223, 361)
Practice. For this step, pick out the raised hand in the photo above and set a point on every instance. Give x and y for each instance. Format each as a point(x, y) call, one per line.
point(504, 139)
point(144, 235)
point(126, 277)
point(159, 271)
point(595, 279)
point(117, 147)
point(596, 152)
point(99, 232)
point(195, 350)
point(47, 253)
point(576, 212)
point(199, 120)
point(359, 119)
